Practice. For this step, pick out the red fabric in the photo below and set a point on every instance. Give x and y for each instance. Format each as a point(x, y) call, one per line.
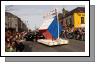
point(46, 34)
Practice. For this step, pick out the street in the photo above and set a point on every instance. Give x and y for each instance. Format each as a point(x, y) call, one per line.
point(73, 46)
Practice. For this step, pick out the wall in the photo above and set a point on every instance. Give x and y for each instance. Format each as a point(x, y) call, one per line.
point(77, 19)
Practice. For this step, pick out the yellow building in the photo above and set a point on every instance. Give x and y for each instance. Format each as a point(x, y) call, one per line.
point(79, 20)
point(76, 17)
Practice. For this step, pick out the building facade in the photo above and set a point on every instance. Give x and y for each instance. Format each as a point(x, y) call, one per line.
point(75, 18)
point(13, 22)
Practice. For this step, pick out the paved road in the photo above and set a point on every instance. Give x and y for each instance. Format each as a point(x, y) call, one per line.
point(73, 46)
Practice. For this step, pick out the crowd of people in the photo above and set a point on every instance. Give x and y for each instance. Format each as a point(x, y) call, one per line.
point(71, 33)
point(13, 41)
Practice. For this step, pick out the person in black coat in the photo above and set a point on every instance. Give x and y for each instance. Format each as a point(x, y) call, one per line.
point(19, 46)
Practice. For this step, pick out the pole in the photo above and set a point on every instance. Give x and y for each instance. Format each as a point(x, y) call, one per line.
point(57, 21)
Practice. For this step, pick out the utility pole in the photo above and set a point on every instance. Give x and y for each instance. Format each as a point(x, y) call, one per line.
point(57, 21)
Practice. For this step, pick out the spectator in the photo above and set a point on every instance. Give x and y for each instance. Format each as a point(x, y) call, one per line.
point(12, 39)
point(19, 46)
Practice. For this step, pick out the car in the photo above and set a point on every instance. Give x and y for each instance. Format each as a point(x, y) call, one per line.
point(33, 36)
point(29, 37)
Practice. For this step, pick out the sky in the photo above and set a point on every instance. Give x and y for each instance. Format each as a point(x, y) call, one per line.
point(32, 15)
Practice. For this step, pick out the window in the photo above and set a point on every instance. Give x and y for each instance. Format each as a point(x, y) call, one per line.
point(70, 22)
point(82, 20)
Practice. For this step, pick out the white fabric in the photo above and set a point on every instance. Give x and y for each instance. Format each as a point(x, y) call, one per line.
point(46, 24)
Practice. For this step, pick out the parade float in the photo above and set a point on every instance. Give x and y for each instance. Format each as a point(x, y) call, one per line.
point(51, 29)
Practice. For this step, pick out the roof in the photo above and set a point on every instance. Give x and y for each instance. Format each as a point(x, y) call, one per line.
point(10, 14)
point(46, 24)
point(76, 10)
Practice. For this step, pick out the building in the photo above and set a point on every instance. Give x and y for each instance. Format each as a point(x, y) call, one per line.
point(23, 27)
point(75, 18)
point(13, 22)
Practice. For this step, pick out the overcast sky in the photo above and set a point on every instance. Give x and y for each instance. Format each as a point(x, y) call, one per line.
point(34, 13)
